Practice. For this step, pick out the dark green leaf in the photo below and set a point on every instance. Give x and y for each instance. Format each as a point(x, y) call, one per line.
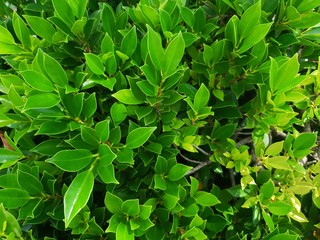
point(29, 183)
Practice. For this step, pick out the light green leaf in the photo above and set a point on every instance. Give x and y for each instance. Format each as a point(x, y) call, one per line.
point(173, 55)
point(131, 207)
point(38, 81)
point(278, 162)
point(64, 11)
point(54, 70)
point(129, 42)
point(42, 100)
point(258, 33)
point(249, 20)
point(113, 203)
point(71, 160)
point(118, 113)
point(126, 96)
point(106, 173)
point(279, 208)
point(155, 49)
point(124, 232)
point(103, 130)
point(77, 195)
point(139, 136)
point(10, 222)
point(41, 27)
point(21, 30)
point(94, 63)
point(5, 36)
point(205, 198)
point(177, 172)
point(201, 98)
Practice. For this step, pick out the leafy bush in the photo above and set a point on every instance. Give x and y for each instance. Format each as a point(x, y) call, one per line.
point(159, 119)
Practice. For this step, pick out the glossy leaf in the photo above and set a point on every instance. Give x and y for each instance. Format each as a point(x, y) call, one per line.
point(139, 136)
point(72, 160)
point(38, 81)
point(42, 100)
point(77, 195)
point(126, 96)
point(129, 42)
point(13, 197)
point(155, 49)
point(94, 63)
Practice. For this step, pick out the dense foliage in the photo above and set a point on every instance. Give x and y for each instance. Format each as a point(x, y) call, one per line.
point(159, 119)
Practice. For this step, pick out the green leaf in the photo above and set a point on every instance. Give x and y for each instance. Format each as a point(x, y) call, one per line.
point(124, 232)
point(286, 73)
point(29, 183)
point(267, 189)
point(126, 96)
point(13, 197)
point(177, 172)
point(258, 33)
point(94, 63)
point(113, 203)
point(108, 20)
point(42, 100)
point(129, 42)
point(89, 105)
point(249, 20)
point(278, 162)
point(71, 160)
point(165, 21)
point(6, 36)
point(89, 136)
point(274, 149)
point(8, 155)
point(304, 141)
point(173, 55)
point(10, 223)
point(41, 27)
point(131, 207)
point(64, 11)
point(118, 113)
point(155, 49)
point(107, 44)
point(205, 198)
point(161, 165)
point(37, 81)
point(77, 195)
point(54, 70)
point(52, 128)
point(201, 98)
point(187, 16)
point(103, 130)
point(307, 5)
point(21, 30)
point(107, 173)
point(279, 208)
point(268, 219)
point(232, 30)
point(139, 136)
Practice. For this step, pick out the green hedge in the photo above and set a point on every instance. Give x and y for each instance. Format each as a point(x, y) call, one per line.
point(159, 119)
